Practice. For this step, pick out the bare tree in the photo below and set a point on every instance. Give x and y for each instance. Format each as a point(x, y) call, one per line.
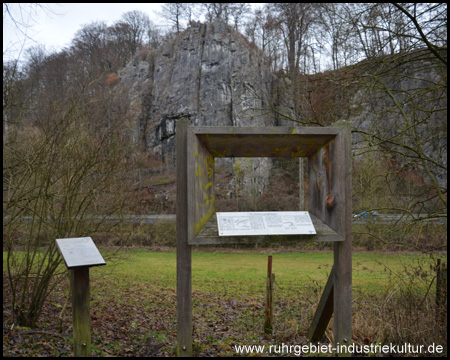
point(57, 172)
point(335, 33)
point(231, 13)
point(395, 96)
point(138, 25)
point(264, 30)
point(430, 23)
point(175, 13)
point(239, 11)
point(22, 17)
point(64, 158)
point(90, 43)
point(217, 11)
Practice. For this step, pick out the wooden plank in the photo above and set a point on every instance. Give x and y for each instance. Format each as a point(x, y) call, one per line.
point(264, 142)
point(200, 182)
point(327, 188)
point(81, 318)
point(209, 235)
point(184, 284)
point(328, 175)
point(323, 312)
point(274, 130)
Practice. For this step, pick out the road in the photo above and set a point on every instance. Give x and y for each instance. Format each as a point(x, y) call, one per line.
point(152, 219)
point(392, 218)
point(130, 219)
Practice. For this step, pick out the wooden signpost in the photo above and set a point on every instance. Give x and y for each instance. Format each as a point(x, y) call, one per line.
point(79, 254)
point(328, 150)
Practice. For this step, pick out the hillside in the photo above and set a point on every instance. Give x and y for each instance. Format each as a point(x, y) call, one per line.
point(213, 76)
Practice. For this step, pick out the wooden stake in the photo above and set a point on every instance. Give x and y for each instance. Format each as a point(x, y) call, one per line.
point(268, 325)
point(441, 290)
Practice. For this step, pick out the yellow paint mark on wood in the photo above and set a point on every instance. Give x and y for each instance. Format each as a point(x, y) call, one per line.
point(199, 225)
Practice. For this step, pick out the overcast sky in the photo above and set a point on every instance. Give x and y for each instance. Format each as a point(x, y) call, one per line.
point(55, 25)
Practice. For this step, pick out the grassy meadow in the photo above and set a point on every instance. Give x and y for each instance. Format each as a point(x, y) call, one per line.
point(133, 303)
point(371, 272)
point(229, 295)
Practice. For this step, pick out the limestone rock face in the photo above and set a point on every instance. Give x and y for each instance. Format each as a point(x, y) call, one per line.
point(137, 80)
point(209, 74)
point(417, 95)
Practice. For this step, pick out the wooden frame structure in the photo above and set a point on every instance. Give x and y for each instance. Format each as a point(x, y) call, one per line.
point(329, 152)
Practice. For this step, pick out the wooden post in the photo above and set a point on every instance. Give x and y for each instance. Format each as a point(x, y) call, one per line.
point(324, 311)
point(330, 194)
point(342, 294)
point(441, 290)
point(268, 325)
point(81, 317)
point(184, 286)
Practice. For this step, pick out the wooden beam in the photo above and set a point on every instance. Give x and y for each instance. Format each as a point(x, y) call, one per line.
point(184, 285)
point(324, 311)
point(200, 184)
point(209, 235)
point(229, 141)
point(343, 250)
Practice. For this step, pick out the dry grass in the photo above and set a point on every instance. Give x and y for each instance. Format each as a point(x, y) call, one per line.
point(406, 311)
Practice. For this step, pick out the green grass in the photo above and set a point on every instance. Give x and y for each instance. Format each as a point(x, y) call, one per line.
point(215, 271)
point(219, 270)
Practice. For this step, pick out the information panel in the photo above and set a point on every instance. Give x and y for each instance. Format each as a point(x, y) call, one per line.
point(265, 223)
point(79, 252)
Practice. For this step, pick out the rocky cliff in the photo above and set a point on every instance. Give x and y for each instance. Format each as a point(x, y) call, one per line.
point(209, 74)
point(402, 102)
point(213, 76)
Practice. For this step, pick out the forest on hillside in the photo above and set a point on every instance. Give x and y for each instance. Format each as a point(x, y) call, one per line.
point(380, 66)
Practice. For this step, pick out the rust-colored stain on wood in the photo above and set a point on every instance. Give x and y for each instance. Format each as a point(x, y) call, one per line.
point(319, 183)
point(328, 166)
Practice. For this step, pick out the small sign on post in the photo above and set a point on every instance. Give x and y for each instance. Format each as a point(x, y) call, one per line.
point(79, 254)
